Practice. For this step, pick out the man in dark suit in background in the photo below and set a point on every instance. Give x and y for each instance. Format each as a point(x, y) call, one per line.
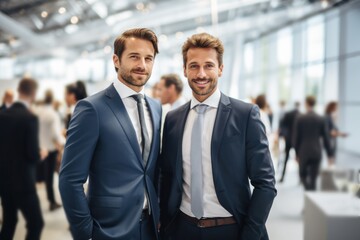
point(286, 129)
point(114, 140)
point(309, 129)
point(19, 155)
point(211, 147)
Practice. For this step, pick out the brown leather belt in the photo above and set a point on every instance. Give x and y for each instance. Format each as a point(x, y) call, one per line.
point(208, 222)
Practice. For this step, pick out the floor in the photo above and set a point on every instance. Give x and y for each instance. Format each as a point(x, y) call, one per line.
point(285, 218)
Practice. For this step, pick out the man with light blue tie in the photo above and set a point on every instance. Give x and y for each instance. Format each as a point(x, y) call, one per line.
point(211, 147)
point(114, 140)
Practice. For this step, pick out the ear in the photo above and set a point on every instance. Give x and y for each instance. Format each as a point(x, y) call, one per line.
point(184, 68)
point(116, 61)
point(221, 70)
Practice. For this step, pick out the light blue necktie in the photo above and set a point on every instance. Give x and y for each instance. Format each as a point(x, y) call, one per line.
point(196, 162)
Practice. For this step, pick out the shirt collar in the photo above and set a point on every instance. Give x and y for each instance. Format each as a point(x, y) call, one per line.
point(124, 91)
point(212, 101)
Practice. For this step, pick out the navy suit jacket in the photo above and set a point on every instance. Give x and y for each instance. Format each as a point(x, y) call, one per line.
point(102, 145)
point(239, 151)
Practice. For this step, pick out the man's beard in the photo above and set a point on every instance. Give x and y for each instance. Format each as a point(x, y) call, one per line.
point(126, 76)
point(212, 85)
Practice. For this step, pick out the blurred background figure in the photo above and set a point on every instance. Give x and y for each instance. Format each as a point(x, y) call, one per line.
point(73, 93)
point(156, 91)
point(19, 154)
point(8, 99)
point(51, 141)
point(309, 130)
point(171, 88)
point(334, 133)
point(286, 131)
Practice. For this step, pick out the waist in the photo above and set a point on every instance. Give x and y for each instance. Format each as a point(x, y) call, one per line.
point(208, 222)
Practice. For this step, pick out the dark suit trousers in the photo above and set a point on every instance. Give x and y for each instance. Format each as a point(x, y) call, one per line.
point(29, 206)
point(183, 229)
point(287, 154)
point(309, 170)
point(146, 228)
point(49, 169)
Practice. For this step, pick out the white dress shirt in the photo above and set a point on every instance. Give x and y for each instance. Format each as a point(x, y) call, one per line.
point(131, 107)
point(50, 128)
point(212, 207)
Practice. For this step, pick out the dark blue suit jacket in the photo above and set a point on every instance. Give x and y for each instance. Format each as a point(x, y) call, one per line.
point(102, 145)
point(239, 151)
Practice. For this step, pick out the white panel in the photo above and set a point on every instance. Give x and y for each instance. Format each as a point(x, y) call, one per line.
point(332, 38)
point(331, 82)
point(351, 121)
point(352, 37)
point(352, 81)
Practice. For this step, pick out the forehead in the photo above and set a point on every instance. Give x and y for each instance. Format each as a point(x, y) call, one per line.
point(200, 55)
point(138, 45)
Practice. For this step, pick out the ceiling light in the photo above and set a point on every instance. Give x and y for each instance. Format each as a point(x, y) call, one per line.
point(200, 30)
point(111, 20)
point(163, 38)
point(62, 10)
point(74, 20)
point(140, 6)
point(44, 14)
point(324, 4)
point(179, 35)
point(107, 49)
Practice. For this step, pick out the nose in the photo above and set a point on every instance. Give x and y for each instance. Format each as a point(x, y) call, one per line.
point(201, 73)
point(142, 63)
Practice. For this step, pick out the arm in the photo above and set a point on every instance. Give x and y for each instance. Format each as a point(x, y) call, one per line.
point(81, 142)
point(32, 142)
point(261, 174)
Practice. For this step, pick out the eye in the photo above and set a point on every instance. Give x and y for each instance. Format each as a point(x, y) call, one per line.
point(209, 66)
point(134, 57)
point(149, 59)
point(192, 66)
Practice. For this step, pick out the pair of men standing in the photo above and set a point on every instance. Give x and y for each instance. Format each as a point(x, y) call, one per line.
point(211, 147)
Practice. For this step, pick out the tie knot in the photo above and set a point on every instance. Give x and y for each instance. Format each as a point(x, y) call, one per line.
point(137, 97)
point(201, 108)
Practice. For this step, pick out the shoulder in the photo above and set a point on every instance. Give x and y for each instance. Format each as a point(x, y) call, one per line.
point(239, 106)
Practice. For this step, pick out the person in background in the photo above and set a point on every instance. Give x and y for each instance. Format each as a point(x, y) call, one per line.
point(74, 92)
point(211, 147)
point(171, 88)
point(114, 140)
point(286, 129)
point(51, 140)
point(309, 129)
point(19, 155)
point(156, 91)
point(330, 118)
point(8, 99)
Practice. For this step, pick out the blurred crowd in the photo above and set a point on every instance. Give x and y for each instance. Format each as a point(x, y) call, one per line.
point(308, 132)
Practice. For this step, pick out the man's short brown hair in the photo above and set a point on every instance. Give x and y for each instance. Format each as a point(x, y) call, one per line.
point(203, 40)
point(140, 33)
point(27, 87)
point(310, 101)
point(173, 79)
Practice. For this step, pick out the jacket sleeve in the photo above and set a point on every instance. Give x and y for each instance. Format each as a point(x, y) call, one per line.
point(81, 141)
point(261, 174)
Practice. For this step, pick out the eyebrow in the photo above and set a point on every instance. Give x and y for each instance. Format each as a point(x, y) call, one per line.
point(136, 53)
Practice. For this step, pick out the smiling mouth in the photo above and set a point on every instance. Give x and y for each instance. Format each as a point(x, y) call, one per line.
point(201, 82)
point(140, 73)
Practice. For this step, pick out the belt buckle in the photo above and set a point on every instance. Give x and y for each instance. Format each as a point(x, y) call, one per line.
point(201, 223)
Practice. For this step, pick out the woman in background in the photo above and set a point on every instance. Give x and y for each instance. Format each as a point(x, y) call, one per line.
point(334, 133)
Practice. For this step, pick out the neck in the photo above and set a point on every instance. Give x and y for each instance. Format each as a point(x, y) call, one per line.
point(133, 87)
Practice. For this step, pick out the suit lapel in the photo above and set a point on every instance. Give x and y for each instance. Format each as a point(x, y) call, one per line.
point(155, 125)
point(183, 113)
point(118, 108)
point(222, 117)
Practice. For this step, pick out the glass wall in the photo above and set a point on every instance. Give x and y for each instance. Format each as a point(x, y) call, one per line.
point(318, 56)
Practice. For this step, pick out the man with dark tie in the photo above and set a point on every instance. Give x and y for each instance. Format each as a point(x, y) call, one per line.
point(19, 155)
point(113, 140)
point(211, 147)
